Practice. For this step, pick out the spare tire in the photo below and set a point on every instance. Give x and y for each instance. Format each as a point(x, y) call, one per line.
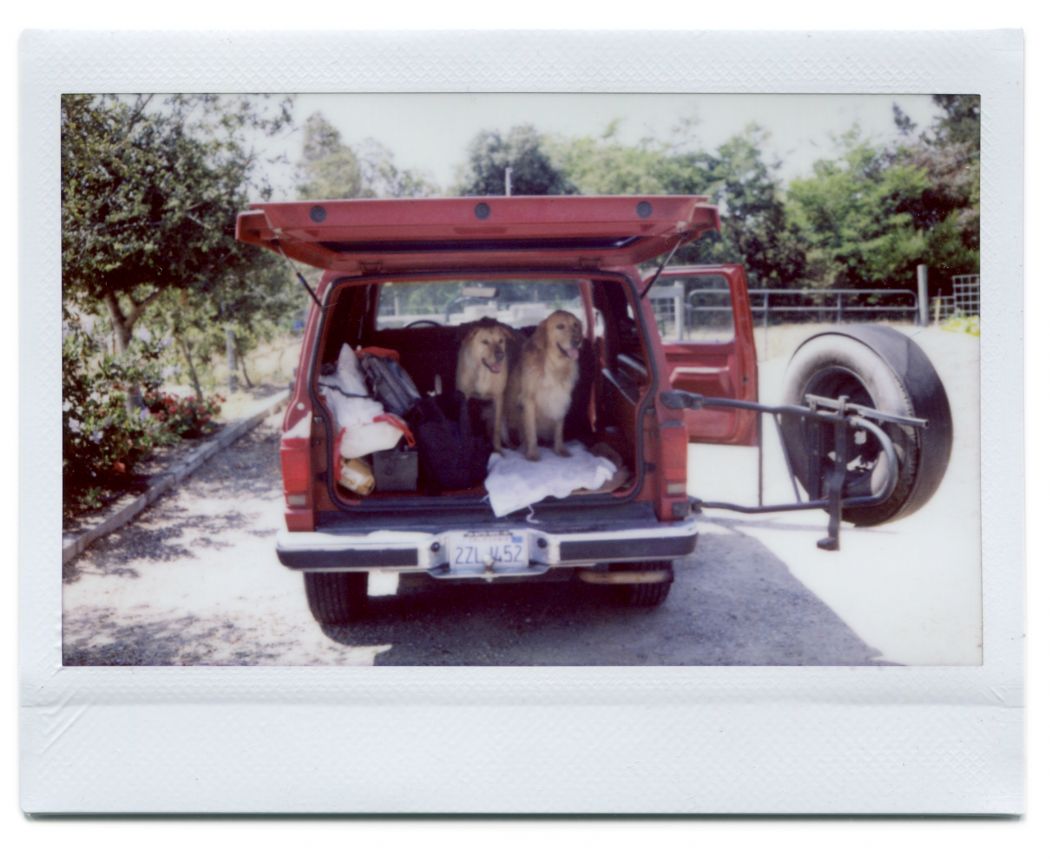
point(882, 368)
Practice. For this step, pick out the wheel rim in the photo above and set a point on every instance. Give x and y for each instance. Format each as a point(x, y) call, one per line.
point(866, 472)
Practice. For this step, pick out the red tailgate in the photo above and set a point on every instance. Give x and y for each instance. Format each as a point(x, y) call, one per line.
point(413, 235)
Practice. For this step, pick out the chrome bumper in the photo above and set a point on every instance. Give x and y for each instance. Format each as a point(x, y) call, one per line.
point(395, 551)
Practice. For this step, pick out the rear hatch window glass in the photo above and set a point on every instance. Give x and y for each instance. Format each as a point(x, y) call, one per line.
point(516, 303)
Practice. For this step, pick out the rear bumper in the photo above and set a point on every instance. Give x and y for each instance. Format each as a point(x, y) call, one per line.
point(426, 552)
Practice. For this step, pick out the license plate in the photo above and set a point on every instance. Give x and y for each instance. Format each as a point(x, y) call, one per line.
point(488, 551)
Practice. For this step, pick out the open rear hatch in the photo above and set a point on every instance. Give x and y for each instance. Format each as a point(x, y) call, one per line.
point(416, 235)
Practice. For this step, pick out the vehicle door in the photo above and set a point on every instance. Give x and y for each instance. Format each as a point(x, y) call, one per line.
point(704, 317)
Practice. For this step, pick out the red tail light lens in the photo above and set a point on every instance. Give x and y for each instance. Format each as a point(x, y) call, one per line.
point(295, 463)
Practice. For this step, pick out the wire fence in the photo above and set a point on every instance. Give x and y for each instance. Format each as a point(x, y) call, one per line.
point(703, 312)
point(699, 307)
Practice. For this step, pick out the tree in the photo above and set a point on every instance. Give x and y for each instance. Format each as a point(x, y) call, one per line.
point(914, 201)
point(328, 168)
point(150, 194)
point(605, 165)
point(755, 228)
point(381, 177)
point(950, 156)
point(961, 121)
point(736, 176)
point(533, 172)
point(856, 214)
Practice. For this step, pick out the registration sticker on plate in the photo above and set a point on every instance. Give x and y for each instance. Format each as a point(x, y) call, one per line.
point(488, 551)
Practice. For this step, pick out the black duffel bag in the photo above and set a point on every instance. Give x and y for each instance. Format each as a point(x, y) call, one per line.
point(389, 383)
point(453, 446)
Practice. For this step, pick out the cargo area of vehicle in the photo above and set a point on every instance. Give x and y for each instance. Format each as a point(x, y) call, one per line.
point(604, 412)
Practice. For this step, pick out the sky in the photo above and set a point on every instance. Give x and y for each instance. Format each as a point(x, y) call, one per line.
point(429, 132)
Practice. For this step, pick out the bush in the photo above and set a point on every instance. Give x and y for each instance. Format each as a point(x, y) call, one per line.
point(184, 417)
point(104, 432)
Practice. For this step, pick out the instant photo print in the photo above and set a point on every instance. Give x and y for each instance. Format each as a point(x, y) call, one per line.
point(531, 423)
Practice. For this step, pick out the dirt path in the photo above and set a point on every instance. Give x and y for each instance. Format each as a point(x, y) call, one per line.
point(194, 580)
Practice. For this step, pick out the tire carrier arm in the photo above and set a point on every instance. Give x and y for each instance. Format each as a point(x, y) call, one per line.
point(845, 416)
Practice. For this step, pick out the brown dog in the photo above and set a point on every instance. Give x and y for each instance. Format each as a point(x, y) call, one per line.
point(481, 369)
point(539, 390)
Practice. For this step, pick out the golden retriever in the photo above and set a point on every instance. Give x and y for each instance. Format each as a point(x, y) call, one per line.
point(539, 390)
point(481, 370)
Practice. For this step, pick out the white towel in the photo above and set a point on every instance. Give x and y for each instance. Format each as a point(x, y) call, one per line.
point(514, 482)
point(346, 394)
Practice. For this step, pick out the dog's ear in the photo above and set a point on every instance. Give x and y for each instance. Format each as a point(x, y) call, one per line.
point(541, 334)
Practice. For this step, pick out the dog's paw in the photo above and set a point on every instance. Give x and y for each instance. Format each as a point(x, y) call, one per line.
point(562, 452)
point(532, 455)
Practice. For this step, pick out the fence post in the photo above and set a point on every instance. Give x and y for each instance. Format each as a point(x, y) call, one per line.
point(838, 307)
point(924, 295)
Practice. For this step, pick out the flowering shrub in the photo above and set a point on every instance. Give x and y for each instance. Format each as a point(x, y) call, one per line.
point(103, 432)
point(184, 417)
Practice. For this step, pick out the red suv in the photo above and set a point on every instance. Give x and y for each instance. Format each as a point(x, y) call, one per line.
point(401, 277)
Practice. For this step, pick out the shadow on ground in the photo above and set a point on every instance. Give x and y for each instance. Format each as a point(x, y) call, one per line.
point(208, 511)
point(733, 603)
point(103, 638)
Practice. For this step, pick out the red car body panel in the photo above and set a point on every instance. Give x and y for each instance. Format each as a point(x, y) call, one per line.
point(363, 236)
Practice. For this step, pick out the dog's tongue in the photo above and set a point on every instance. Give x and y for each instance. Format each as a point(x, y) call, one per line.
point(573, 352)
point(495, 367)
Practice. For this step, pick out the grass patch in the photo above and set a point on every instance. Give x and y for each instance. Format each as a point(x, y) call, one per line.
point(966, 325)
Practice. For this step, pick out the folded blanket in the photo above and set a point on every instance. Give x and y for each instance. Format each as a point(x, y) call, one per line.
point(514, 483)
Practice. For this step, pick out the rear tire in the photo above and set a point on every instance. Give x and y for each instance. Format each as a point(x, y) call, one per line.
point(646, 594)
point(336, 598)
point(882, 368)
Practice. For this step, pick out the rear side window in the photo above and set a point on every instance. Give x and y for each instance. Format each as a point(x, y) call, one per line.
point(694, 309)
point(450, 303)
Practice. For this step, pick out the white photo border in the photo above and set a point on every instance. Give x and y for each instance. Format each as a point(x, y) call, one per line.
point(880, 740)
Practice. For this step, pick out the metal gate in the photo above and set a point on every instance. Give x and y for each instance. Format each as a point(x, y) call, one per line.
point(966, 295)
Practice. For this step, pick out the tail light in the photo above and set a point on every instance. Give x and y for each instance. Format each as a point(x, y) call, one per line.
point(295, 463)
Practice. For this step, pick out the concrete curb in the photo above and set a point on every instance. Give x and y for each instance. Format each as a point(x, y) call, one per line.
point(75, 544)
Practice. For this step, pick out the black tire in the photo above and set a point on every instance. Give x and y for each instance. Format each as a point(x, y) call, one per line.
point(336, 598)
point(646, 594)
point(882, 368)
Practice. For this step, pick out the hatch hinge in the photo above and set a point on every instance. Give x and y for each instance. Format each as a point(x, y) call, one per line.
point(371, 267)
point(590, 263)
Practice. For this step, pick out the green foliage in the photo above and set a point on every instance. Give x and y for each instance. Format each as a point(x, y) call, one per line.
point(186, 416)
point(604, 165)
point(855, 215)
point(737, 177)
point(150, 193)
point(961, 121)
point(102, 436)
point(329, 169)
point(151, 188)
point(381, 177)
point(870, 215)
point(490, 153)
point(755, 227)
point(965, 325)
